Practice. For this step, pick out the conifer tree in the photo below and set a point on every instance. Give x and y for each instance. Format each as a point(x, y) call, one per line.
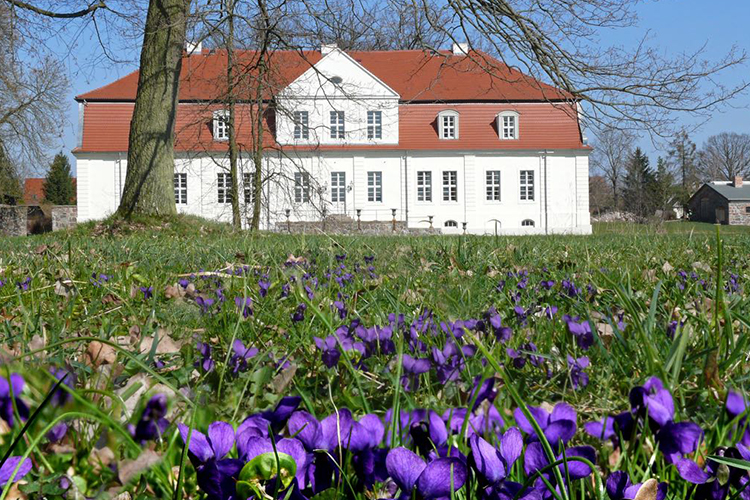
point(639, 182)
point(663, 189)
point(58, 185)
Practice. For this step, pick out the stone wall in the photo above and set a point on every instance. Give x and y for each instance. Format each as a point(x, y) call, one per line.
point(346, 225)
point(739, 213)
point(64, 217)
point(12, 220)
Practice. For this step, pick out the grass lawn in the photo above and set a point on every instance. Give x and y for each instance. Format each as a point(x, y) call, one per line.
point(309, 345)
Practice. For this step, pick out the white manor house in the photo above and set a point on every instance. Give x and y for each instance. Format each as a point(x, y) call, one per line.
point(454, 137)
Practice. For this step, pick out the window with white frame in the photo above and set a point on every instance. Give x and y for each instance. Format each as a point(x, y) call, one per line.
point(448, 124)
point(301, 187)
point(247, 187)
point(450, 185)
point(450, 223)
point(301, 125)
point(224, 187)
point(424, 186)
point(338, 130)
point(221, 125)
point(374, 125)
point(526, 183)
point(507, 125)
point(338, 187)
point(180, 189)
point(492, 181)
point(375, 187)
point(527, 223)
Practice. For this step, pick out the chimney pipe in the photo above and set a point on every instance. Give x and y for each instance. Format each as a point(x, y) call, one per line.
point(460, 49)
point(738, 181)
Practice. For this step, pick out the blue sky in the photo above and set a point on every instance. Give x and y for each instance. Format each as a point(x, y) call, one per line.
point(675, 26)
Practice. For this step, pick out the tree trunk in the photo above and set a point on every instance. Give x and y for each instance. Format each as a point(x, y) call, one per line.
point(231, 102)
point(259, 110)
point(149, 183)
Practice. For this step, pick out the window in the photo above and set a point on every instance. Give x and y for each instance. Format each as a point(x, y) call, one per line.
point(221, 126)
point(301, 187)
point(375, 186)
point(424, 186)
point(450, 223)
point(338, 187)
point(337, 125)
point(301, 125)
point(247, 186)
point(448, 124)
point(450, 185)
point(747, 209)
point(180, 189)
point(493, 185)
point(507, 125)
point(527, 223)
point(224, 183)
point(374, 125)
point(527, 185)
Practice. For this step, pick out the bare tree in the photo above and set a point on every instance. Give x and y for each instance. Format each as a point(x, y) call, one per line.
point(32, 97)
point(561, 43)
point(684, 162)
point(724, 156)
point(610, 157)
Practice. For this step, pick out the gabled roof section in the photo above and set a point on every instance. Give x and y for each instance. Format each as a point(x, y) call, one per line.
point(729, 192)
point(357, 81)
point(415, 75)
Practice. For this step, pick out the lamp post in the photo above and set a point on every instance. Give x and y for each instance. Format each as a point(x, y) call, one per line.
point(429, 217)
point(288, 224)
point(359, 219)
point(464, 226)
point(323, 214)
point(393, 220)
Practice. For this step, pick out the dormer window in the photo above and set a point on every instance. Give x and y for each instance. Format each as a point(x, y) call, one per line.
point(507, 125)
point(221, 125)
point(448, 124)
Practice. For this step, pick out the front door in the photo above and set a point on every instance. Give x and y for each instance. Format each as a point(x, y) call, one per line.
point(721, 215)
point(338, 192)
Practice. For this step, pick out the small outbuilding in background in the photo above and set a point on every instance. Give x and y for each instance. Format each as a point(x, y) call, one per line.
point(722, 202)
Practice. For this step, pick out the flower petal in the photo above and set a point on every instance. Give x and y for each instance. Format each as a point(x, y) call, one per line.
point(540, 415)
point(534, 459)
point(404, 467)
point(306, 428)
point(691, 472)
point(511, 446)
point(221, 435)
point(487, 460)
point(561, 430)
point(576, 469)
point(198, 445)
point(10, 465)
point(440, 477)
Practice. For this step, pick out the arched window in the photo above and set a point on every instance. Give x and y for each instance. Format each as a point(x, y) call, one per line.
point(450, 223)
point(507, 125)
point(527, 223)
point(448, 124)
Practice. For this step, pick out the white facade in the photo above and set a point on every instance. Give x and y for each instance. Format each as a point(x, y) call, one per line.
point(495, 191)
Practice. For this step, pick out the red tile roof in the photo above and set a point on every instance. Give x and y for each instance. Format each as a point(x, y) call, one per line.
point(106, 127)
point(416, 75)
point(33, 191)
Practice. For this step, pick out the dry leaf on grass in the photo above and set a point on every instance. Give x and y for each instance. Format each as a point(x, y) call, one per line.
point(130, 469)
point(100, 354)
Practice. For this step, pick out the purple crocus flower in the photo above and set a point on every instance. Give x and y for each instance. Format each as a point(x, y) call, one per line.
point(152, 424)
point(558, 426)
point(24, 285)
point(299, 314)
point(6, 403)
point(413, 368)
point(341, 308)
point(436, 479)
point(535, 460)
point(61, 397)
point(329, 347)
point(494, 465)
point(206, 362)
point(205, 303)
point(578, 377)
point(241, 355)
point(244, 305)
point(612, 427)
point(736, 406)
point(581, 330)
point(57, 433)
point(147, 292)
point(6, 471)
point(264, 285)
point(254, 446)
point(502, 333)
point(619, 487)
point(216, 474)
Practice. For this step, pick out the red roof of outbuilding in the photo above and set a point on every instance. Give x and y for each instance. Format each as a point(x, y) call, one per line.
point(33, 191)
point(416, 75)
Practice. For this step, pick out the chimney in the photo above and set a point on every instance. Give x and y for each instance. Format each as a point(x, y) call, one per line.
point(327, 48)
point(193, 48)
point(460, 49)
point(738, 181)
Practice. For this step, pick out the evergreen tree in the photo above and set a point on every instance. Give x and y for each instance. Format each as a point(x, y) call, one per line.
point(10, 184)
point(639, 183)
point(58, 186)
point(663, 189)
